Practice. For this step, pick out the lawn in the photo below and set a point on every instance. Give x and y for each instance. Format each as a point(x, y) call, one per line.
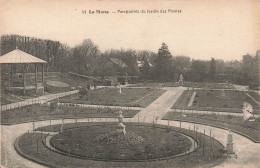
point(188, 84)
point(255, 95)
point(209, 153)
point(206, 100)
point(62, 83)
point(236, 123)
point(8, 98)
point(42, 112)
point(132, 97)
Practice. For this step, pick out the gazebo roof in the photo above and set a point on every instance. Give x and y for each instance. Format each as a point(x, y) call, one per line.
point(118, 62)
point(19, 57)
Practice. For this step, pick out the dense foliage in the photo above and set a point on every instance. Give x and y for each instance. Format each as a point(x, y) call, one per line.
point(87, 59)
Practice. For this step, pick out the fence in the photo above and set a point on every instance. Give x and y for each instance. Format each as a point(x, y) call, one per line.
point(101, 106)
point(42, 99)
point(211, 112)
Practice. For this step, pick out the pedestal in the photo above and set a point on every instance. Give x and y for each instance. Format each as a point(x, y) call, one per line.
point(229, 148)
point(61, 129)
point(230, 143)
point(121, 129)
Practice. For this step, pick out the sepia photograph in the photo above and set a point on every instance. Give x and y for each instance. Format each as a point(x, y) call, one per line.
point(130, 84)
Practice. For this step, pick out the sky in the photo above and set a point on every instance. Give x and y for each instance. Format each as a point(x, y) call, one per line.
point(205, 28)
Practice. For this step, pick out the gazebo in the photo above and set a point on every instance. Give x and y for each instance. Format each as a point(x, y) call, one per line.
point(18, 57)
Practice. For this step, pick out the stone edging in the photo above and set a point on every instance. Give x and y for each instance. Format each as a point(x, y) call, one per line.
point(106, 160)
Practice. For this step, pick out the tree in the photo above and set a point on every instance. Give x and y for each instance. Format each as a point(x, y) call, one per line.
point(181, 64)
point(257, 66)
point(248, 69)
point(163, 64)
point(130, 58)
point(146, 68)
point(198, 70)
point(63, 63)
point(76, 60)
point(220, 66)
point(212, 68)
point(103, 67)
point(88, 53)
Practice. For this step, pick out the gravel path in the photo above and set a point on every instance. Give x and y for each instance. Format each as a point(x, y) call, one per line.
point(161, 105)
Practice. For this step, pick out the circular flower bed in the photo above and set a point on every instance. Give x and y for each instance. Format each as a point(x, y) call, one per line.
point(104, 143)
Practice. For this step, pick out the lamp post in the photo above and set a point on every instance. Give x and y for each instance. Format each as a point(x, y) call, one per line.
point(126, 80)
point(122, 156)
point(156, 118)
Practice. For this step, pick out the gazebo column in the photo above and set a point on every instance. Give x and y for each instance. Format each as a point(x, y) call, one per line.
point(9, 78)
point(43, 76)
point(36, 78)
point(11, 75)
point(24, 79)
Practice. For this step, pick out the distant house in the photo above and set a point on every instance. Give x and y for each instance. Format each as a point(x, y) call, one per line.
point(141, 64)
point(118, 62)
point(235, 64)
point(120, 68)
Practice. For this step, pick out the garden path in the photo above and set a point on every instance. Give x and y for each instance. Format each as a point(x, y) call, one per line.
point(161, 105)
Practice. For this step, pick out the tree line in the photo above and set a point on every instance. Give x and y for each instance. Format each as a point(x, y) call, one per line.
point(87, 59)
point(168, 68)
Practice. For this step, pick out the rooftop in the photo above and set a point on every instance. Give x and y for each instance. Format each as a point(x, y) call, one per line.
point(19, 57)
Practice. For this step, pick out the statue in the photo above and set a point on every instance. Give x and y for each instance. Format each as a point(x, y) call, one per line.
point(120, 90)
point(120, 126)
point(223, 95)
point(248, 112)
point(181, 79)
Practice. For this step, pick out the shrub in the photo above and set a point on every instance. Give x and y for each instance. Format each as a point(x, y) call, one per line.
point(83, 92)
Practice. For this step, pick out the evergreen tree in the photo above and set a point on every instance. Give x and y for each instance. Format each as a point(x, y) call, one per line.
point(77, 60)
point(163, 64)
point(257, 67)
point(212, 69)
point(146, 69)
point(198, 70)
